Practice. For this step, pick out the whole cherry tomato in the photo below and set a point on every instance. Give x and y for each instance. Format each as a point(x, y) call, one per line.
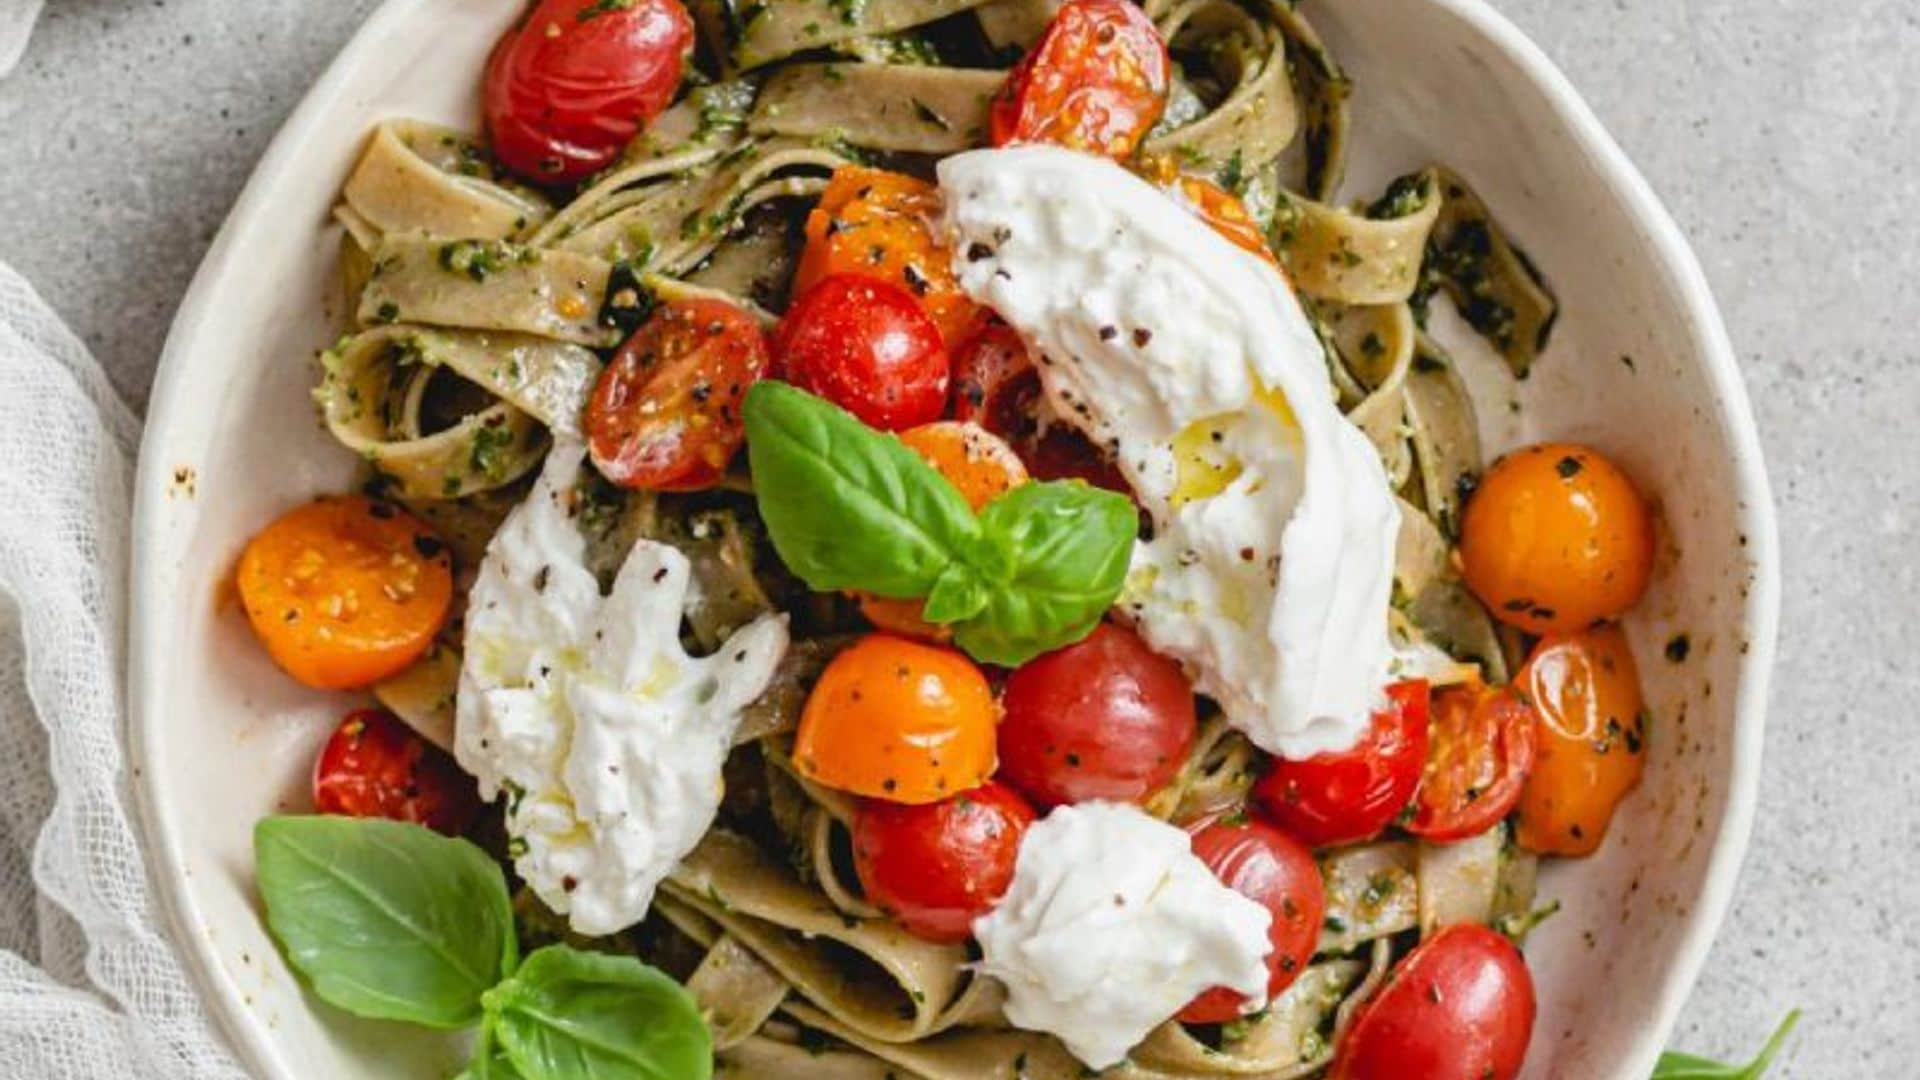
point(377, 766)
point(1266, 865)
point(936, 868)
point(665, 414)
point(576, 80)
point(1104, 718)
point(1556, 538)
point(1585, 692)
point(866, 346)
point(996, 385)
point(1459, 1007)
point(1096, 81)
point(1349, 796)
point(1481, 747)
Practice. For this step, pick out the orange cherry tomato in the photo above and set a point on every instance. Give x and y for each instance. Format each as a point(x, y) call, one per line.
point(880, 224)
point(1556, 538)
point(1480, 748)
point(1223, 211)
point(898, 720)
point(983, 468)
point(1096, 81)
point(345, 590)
point(1585, 692)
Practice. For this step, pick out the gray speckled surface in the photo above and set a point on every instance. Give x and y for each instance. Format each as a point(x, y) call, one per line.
point(1786, 142)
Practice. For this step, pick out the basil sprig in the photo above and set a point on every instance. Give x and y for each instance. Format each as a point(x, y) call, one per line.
point(393, 921)
point(849, 507)
point(1674, 1065)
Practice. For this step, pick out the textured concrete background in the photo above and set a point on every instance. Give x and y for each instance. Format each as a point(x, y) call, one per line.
point(1785, 136)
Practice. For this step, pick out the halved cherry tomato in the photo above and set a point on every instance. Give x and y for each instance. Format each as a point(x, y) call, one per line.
point(1096, 81)
point(996, 385)
point(1459, 1007)
point(665, 414)
point(1482, 745)
point(1556, 538)
point(897, 720)
point(866, 346)
point(1345, 797)
point(1585, 692)
point(346, 590)
point(936, 868)
point(880, 224)
point(1104, 718)
point(376, 766)
point(1263, 864)
point(1223, 211)
point(983, 468)
point(576, 80)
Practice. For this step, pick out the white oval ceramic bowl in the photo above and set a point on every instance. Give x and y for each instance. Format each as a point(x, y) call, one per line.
point(1640, 367)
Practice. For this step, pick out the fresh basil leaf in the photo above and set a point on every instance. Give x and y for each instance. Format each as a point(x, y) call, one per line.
point(386, 919)
point(1677, 1066)
point(959, 594)
point(567, 1013)
point(847, 506)
point(1070, 545)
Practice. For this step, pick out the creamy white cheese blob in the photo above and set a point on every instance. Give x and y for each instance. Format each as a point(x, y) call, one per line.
point(606, 736)
point(1111, 926)
point(1271, 563)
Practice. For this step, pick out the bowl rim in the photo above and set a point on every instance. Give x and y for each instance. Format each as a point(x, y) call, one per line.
point(170, 401)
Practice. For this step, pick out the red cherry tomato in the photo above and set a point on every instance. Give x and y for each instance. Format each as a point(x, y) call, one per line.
point(996, 385)
point(1263, 864)
point(376, 766)
point(576, 80)
point(1459, 1007)
point(1105, 718)
point(937, 867)
point(1095, 81)
point(1346, 797)
point(1481, 747)
point(866, 346)
point(666, 412)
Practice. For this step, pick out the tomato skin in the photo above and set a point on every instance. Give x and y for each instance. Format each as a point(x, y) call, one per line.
point(1585, 692)
point(376, 766)
point(1459, 1007)
point(1104, 718)
point(1556, 538)
point(866, 346)
point(1225, 214)
point(1266, 865)
point(938, 867)
point(665, 414)
point(1347, 797)
point(1095, 81)
point(569, 87)
point(996, 385)
point(1481, 747)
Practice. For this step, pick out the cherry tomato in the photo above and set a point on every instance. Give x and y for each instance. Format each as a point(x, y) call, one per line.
point(1585, 692)
point(936, 868)
point(1556, 538)
point(898, 720)
point(880, 224)
point(576, 80)
point(665, 414)
point(1342, 798)
point(1481, 747)
point(997, 386)
point(1459, 1007)
point(376, 766)
point(1105, 718)
point(983, 468)
point(866, 346)
point(1266, 865)
point(1223, 212)
point(1095, 81)
point(345, 591)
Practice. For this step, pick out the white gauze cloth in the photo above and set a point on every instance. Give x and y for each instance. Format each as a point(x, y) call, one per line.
point(89, 985)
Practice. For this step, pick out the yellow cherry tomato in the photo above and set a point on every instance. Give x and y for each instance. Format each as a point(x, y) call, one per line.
point(1585, 692)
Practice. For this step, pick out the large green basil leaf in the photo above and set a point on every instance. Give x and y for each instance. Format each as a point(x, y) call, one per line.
point(1070, 546)
point(570, 1014)
point(849, 507)
point(1677, 1066)
point(386, 919)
